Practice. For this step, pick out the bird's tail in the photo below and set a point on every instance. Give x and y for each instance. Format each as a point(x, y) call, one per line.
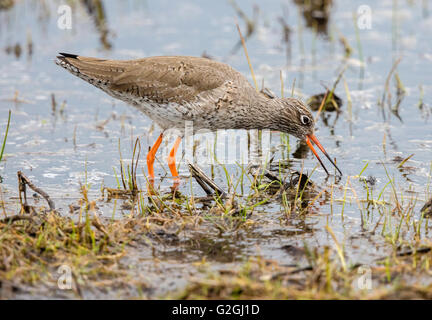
point(93, 70)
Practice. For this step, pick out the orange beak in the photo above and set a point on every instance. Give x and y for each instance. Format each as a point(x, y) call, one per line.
point(318, 144)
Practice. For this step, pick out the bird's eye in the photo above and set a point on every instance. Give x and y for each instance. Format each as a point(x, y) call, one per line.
point(305, 120)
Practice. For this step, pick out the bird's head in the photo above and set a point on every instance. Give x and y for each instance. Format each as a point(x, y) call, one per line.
point(295, 118)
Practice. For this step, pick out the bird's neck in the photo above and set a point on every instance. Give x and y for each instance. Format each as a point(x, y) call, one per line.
point(266, 111)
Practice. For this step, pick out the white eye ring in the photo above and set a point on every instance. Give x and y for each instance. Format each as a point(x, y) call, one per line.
point(305, 120)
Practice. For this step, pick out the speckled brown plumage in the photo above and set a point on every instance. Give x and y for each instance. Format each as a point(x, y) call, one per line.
point(173, 89)
point(170, 90)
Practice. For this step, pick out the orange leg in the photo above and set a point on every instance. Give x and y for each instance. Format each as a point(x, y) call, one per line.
point(151, 156)
point(171, 158)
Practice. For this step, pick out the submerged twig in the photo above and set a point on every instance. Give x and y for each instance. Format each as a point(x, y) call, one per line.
point(22, 182)
point(205, 182)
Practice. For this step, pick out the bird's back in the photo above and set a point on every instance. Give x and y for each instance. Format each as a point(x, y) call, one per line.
point(165, 88)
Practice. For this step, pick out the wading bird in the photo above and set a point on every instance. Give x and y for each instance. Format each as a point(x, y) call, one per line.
point(173, 89)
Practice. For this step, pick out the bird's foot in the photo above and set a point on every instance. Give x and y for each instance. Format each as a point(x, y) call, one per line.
point(150, 186)
point(176, 184)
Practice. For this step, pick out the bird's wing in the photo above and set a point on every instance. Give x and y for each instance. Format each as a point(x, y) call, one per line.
point(160, 79)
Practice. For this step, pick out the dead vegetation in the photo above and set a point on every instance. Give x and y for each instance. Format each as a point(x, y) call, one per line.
point(325, 278)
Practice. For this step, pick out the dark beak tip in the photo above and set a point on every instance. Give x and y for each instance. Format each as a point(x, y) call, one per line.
point(318, 144)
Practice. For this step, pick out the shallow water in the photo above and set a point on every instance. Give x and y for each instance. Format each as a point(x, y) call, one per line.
point(59, 149)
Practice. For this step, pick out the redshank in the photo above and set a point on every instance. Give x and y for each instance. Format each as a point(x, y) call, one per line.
point(173, 89)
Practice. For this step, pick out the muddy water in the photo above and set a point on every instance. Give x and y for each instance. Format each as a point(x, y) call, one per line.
point(78, 140)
